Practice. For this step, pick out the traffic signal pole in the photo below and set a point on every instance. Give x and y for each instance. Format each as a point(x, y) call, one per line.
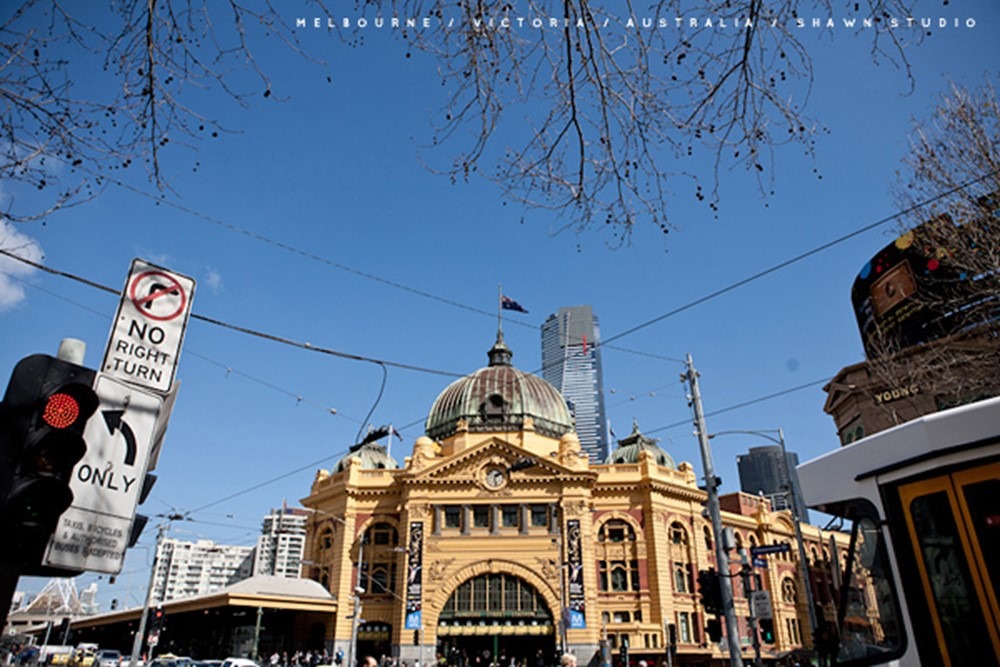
point(43, 413)
point(712, 505)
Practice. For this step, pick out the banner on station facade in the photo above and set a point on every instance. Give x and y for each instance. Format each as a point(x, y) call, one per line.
point(577, 611)
point(414, 576)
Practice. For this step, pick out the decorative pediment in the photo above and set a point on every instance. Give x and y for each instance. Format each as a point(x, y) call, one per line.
point(490, 464)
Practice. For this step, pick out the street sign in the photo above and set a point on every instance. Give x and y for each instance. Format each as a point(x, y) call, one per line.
point(149, 327)
point(93, 533)
point(769, 549)
point(761, 602)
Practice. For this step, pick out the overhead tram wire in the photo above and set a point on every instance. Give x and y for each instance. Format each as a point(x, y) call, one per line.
point(299, 398)
point(250, 332)
point(688, 306)
point(744, 404)
point(606, 343)
point(256, 236)
point(794, 260)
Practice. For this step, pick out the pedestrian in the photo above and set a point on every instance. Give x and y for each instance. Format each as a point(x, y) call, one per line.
point(568, 660)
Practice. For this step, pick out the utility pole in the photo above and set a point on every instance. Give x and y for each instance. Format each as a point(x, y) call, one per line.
point(140, 632)
point(256, 634)
point(712, 505)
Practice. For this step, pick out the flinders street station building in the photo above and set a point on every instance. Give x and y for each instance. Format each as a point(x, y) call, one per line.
point(498, 541)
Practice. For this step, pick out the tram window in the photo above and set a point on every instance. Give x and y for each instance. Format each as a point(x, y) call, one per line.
point(983, 501)
point(870, 629)
point(950, 582)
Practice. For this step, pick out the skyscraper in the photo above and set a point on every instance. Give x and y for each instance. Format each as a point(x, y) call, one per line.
point(185, 569)
point(280, 545)
point(571, 361)
point(763, 472)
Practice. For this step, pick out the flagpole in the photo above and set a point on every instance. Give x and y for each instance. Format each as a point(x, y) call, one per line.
point(500, 308)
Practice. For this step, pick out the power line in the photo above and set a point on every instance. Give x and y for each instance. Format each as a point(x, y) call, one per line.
point(798, 258)
point(250, 332)
point(229, 370)
point(744, 404)
point(307, 346)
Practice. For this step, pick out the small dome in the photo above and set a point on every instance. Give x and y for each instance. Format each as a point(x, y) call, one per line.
point(629, 448)
point(373, 456)
point(499, 398)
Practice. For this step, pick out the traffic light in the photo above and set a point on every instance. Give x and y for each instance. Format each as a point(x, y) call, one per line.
point(623, 652)
point(767, 630)
point(42, 419)
point(713, 628)
point(156, 625)
point(710, 590)
point(140, 520)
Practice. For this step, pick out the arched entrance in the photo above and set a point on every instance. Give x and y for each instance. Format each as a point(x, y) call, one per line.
point(374, 639)
point(496, 618)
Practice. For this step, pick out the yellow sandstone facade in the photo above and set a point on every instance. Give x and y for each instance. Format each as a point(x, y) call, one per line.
point(497, 541)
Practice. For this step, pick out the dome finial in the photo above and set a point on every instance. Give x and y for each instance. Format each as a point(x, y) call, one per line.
point(500, 354)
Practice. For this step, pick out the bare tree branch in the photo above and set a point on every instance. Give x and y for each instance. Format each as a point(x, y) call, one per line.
point(593, 109)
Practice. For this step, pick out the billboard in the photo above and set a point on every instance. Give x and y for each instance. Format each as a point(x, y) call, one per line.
point(911, 291)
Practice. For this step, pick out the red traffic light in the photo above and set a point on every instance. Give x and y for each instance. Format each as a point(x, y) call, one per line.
point(61, 411)
point(69, 406)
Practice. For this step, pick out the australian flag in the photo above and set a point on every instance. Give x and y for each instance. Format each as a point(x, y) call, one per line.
point(509, 304)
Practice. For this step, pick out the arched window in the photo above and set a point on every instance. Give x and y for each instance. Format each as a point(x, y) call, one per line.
point(618, 556)
point(616, 530)
point(680, 558)
point(493, 408)
point(788, 591)
point(379, 560)
point(496, 596)
point(325, 540)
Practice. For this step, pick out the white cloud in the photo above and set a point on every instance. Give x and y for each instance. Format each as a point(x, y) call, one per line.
point(213, 281)
point(12, 272)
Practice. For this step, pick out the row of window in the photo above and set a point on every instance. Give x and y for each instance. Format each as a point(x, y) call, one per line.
point(494, 517)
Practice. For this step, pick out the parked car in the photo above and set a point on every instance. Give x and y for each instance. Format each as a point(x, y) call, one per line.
point(108, 658)
point(239, 662)
point(171, 660)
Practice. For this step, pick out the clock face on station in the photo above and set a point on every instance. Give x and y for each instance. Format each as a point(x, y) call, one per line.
point(495, 477)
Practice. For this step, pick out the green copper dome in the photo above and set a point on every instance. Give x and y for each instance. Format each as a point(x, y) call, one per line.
point(629, 448)
point(499, 398)
point(373, 456)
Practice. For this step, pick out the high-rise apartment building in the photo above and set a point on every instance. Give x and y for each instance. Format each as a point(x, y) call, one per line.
point(185, 569)
point(571, 361)
point(762, 472)
point(282, 541)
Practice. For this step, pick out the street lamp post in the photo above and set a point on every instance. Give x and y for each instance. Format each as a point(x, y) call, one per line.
point(796, 515)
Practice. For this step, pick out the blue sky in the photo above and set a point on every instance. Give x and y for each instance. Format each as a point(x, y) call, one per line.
point(335, 170)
